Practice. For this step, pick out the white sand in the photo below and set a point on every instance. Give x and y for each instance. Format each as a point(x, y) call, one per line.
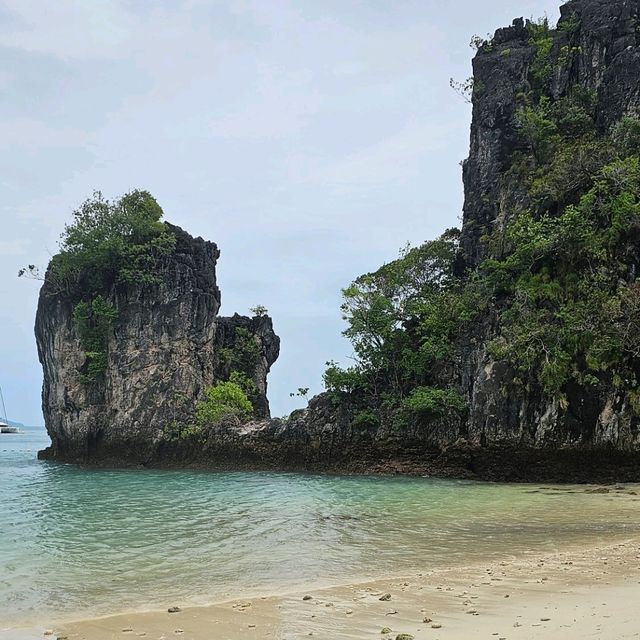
point(589, 593)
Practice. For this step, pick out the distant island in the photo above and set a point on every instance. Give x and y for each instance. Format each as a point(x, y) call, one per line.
point(508, 349)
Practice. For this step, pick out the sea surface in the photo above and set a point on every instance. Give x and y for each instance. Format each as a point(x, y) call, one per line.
point(79, 542)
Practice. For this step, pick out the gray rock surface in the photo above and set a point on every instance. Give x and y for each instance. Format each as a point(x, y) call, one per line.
point(165, 349)
point(168, 340)
point(511, 431)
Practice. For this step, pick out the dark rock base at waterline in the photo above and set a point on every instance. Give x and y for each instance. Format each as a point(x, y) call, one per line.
point(497, 464)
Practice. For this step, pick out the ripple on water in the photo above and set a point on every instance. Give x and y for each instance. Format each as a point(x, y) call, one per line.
point(83, 542)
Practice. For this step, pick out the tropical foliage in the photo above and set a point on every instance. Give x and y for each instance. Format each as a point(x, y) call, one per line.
point(106, 244)
point(223, 400)
point(559, 283)
point(402, 321)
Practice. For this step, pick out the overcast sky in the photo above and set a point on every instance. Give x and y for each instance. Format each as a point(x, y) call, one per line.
point(311, 139)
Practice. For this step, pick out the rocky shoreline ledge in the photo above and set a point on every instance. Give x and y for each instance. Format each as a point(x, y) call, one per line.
point(291, 446)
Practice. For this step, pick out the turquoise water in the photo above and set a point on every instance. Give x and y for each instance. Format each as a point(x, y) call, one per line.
point(77, 542)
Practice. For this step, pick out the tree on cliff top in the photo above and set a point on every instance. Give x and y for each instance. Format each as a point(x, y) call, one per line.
point(110, 242)
point(106, 244)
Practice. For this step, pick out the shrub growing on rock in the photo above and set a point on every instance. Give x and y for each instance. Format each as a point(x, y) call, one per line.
point(222, 400)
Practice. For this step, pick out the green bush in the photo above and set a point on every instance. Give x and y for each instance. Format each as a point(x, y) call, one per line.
point(93, 321)
point(244, 354)
point(538, 128)
point(367, 419)
point(111, 242)
point(223, 399)
point(541, 38)
point(626, 136)
point(339, 381)
point(434, 403)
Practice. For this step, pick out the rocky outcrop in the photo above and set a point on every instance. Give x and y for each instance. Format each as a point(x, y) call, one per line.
point(165, 348)
point(167, 343)
point(326, 438)
point(596, 48)
point(512, 431)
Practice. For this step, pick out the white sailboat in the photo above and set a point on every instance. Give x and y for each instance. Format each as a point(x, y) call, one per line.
point(5, 427)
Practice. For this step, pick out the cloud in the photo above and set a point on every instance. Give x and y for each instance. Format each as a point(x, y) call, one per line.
point(68, 29)
point(387, 162)
point(13, 248)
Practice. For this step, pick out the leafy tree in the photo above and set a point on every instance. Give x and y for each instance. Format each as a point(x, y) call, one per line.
point(400, 321)
point(106, 244)
point(259, 311)
point(223, 399)
point(112, 242)
point(430, 402)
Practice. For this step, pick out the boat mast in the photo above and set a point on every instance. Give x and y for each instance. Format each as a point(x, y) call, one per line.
point(3, 415)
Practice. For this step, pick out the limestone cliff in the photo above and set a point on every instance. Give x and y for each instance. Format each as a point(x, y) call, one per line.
point(512, 428)
point(165, 348)
point(482, 413)
point(596, 47)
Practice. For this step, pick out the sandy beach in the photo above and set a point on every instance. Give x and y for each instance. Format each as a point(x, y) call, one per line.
point(578, 593)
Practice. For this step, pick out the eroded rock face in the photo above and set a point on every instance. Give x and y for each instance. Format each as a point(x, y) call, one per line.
point(596, 48)
point(165, 349)
point(325, 438)
point(600, 54)
point(512, 431)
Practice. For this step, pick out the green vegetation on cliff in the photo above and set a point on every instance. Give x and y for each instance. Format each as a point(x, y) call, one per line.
point(225, 399)
point(564, 269)
point(402, 321)
point(556, 298)
point(106, 244)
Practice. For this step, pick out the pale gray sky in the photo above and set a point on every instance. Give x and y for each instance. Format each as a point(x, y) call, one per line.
point(310, 139)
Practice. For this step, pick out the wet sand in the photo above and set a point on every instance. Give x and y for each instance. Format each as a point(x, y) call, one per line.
point(579, 593)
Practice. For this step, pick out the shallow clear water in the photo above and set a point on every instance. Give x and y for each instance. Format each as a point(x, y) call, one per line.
point(77, 542)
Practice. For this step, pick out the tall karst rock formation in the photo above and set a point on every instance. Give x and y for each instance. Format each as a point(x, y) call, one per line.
point(166, 347)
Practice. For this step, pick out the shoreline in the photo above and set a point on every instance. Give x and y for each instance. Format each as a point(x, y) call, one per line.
point(496, 464)
point(553, 595)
